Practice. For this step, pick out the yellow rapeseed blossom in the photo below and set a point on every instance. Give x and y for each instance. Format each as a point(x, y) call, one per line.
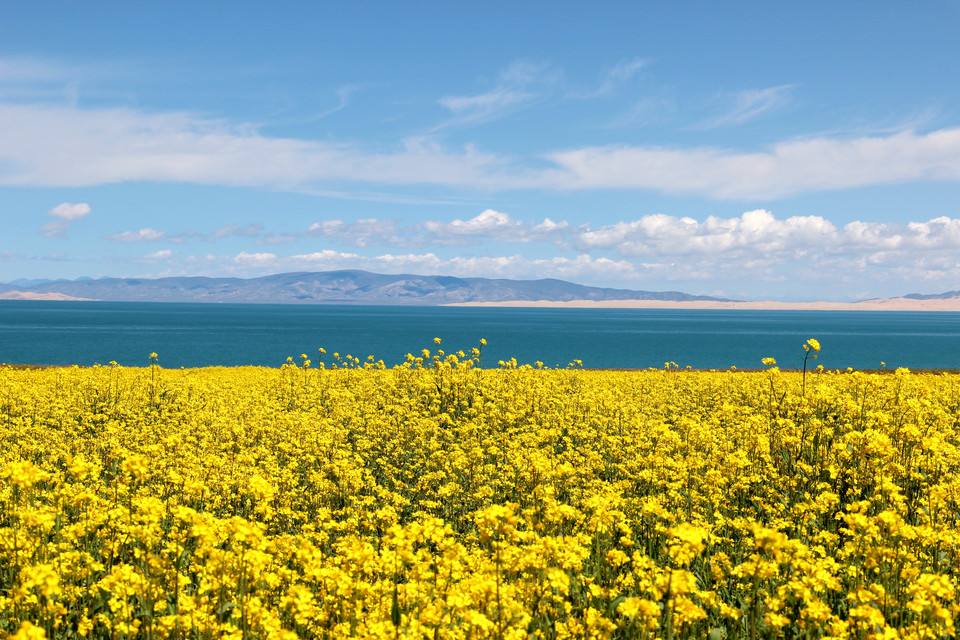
point(438, 499)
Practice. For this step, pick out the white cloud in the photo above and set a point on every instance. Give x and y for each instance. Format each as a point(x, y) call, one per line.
point(49, 145)
point(756, 251)
point(65, 146)
point(159, 255)
point(239, 231)
point(748, 105)
point(795, 166)
point(327, 255)
point(146, 234)
point(491, 224)
point(760, 232)
point(360, 233)
point(488, 222)
point(485, 104)
point(754, 254)
point(70, 210)
point(65, 214)
point(548, 226)
point(255, 259)
point(486, 225)
point(54, 229)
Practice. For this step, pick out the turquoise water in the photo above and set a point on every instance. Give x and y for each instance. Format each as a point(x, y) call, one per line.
point(231, 334)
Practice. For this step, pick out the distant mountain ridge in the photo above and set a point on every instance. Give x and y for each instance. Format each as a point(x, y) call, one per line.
point(946, 295)
point(343, 287)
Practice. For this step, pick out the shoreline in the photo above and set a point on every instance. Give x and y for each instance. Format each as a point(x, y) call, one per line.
point(886, 304)
point(879, 304)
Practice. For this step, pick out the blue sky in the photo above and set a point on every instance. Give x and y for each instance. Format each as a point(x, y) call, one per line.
point(757, 150)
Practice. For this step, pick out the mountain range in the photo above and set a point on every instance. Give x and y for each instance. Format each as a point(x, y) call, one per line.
point(341, 287)
point(946, 295)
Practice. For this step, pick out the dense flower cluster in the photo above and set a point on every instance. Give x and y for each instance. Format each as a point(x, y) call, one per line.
point(441, 500)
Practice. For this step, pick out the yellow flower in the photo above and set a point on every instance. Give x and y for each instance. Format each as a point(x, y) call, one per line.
point(438, 498)
point(29, 631)
point(685, 542)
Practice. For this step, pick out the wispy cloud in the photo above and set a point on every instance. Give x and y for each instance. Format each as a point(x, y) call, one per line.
point(253, 230)
point(786, 168)
point(255, 259)
point(613, 78)
point(517, 85)
point(25, 79)
point(159, 255)
point(147, 234)
point(343, 95)
point(643, 112)
point(361, 232)
point(744, 106)
point(21, 69)
point(63, 146)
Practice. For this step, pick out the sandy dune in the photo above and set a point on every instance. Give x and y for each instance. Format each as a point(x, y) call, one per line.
point(31, 295)
point(885, 304)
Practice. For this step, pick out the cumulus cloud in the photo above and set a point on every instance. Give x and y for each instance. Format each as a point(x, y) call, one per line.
point(70, 210)
point(760, 232)
point(488, 222)
point(65, 213)
point(756, 246)
point(754, 254)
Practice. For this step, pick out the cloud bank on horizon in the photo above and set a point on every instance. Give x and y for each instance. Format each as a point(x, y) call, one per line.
point(783, 178)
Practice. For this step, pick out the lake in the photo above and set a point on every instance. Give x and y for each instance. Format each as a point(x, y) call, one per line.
point(187, 335)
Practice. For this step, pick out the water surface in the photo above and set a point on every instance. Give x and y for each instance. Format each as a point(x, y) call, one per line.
point(233, 334)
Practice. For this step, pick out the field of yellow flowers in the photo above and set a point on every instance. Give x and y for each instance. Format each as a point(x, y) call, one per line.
point(441, 500)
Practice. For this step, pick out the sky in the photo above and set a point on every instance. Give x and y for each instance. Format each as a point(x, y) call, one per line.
point(753, 150)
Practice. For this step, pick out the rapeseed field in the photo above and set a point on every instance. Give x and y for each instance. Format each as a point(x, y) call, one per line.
point(334, 497)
